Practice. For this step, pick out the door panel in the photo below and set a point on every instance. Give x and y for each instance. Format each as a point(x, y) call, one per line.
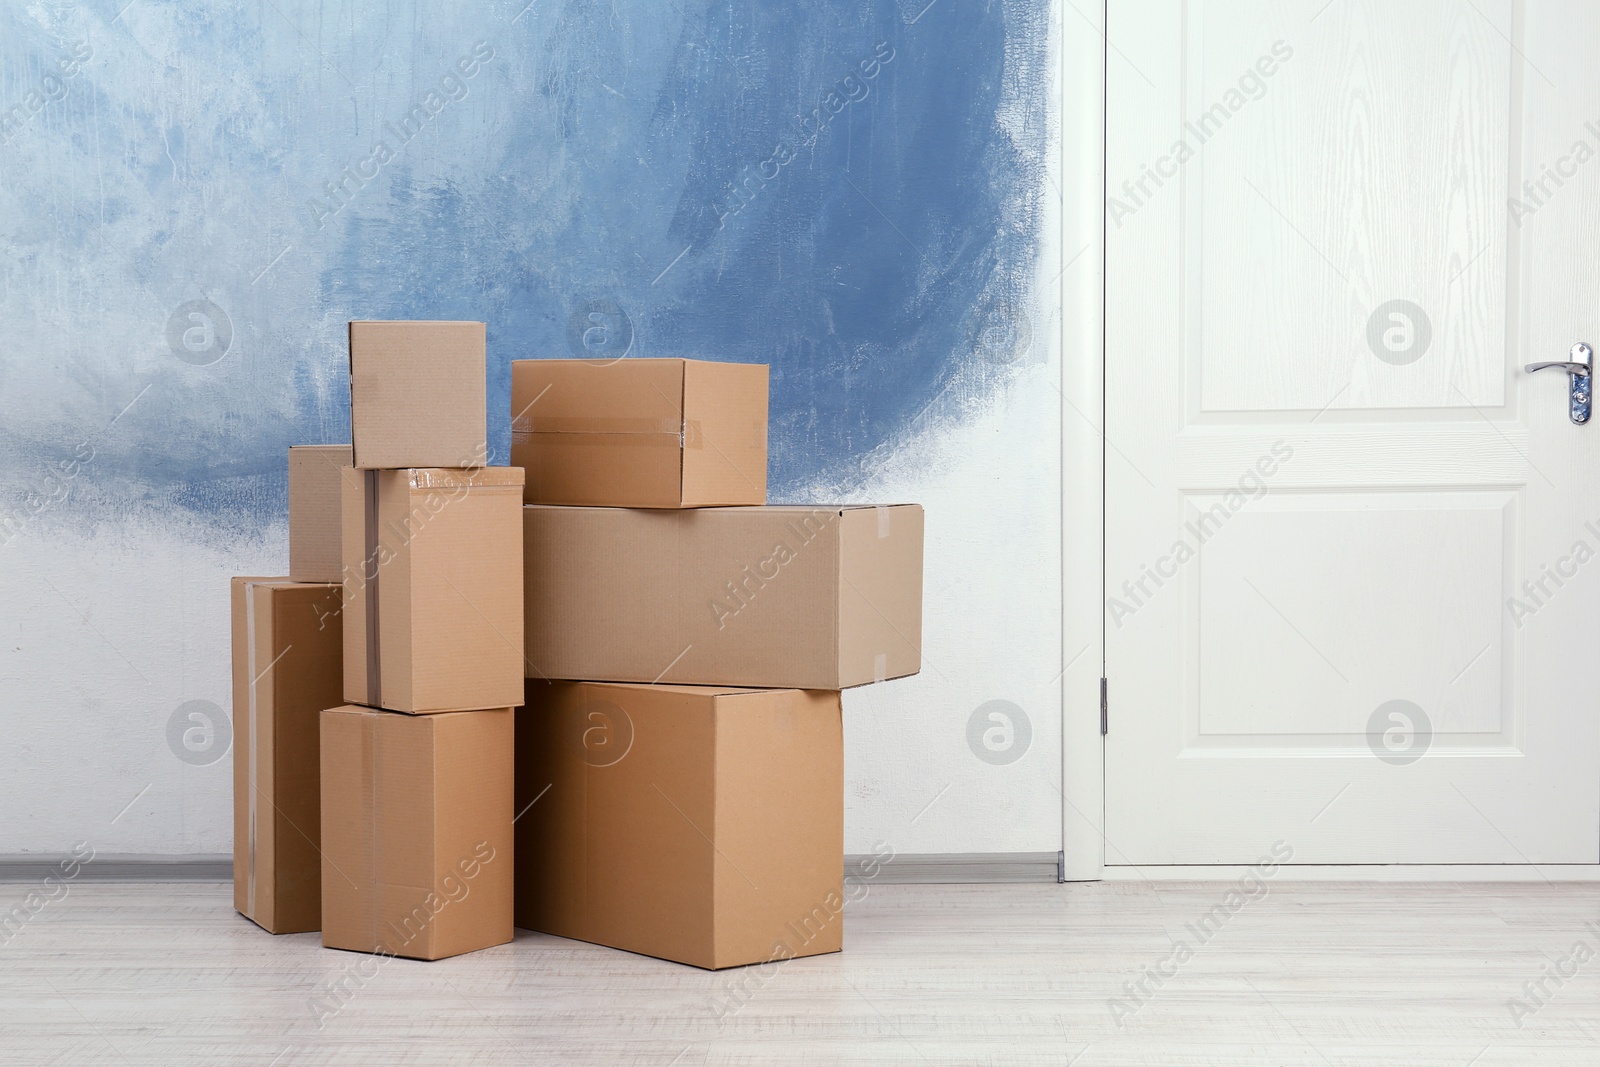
point(1346, 532)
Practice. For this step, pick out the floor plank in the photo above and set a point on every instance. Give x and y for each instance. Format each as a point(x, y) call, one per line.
point(1317, 973)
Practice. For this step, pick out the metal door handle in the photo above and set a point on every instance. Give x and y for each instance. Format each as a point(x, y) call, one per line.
point(1580, 373)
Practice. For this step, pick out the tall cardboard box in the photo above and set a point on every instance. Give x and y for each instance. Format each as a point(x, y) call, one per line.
point(640, 433)
point(418, 394)
point(823, 597)
point(433, 586)
point(316, 473)
point(416, 831)
point(286, 664)
point(699, 825)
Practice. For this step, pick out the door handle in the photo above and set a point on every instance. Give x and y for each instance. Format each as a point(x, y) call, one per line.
point(1580, 375)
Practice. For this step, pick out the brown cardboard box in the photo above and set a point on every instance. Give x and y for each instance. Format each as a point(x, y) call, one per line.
point(821, 597)
point(418, 394)
point(699, 825)
point(286, 660)
point(416, 831)
point(433, 589)
point(640, 433)
point(315, 473)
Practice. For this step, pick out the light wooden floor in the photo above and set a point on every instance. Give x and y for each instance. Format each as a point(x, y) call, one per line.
point(1310, 973)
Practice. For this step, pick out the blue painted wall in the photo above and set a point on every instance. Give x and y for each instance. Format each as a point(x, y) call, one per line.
point(845, 190)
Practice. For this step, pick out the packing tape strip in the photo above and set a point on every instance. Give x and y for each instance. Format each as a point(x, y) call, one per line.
point(372, 572)
point(610, 432)
point(252, 709)
point(467, 478)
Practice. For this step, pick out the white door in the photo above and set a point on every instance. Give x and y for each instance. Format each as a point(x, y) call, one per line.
point(1352, 597)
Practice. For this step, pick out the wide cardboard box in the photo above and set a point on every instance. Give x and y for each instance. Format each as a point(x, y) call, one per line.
point(823, 597)
point(433, 589)
point(286, 661)
point(416, 831)
point(640, 433)
point(316, 473)
point(695, 824)
point(418, 394)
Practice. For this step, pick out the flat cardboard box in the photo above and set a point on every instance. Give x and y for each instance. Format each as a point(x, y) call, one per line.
point(694, 824)
point(433, 589)
point(286, 662)
point(640, 433)
point(315, 474)
point(823, 597)
point(416, 831)
point(418, 394)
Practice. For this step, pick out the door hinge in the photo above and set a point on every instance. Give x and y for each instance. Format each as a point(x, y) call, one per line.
point(1104, 707)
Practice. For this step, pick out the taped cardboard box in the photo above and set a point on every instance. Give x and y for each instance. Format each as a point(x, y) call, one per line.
point(694, 824)
point(315, 475)
point(418, 394)
point(416, 831)
point(823, 597)
point(640, 433)
point(433, 589)
point(286, 664)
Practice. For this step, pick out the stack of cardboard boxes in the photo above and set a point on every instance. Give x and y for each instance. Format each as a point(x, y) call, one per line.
point(678, 758)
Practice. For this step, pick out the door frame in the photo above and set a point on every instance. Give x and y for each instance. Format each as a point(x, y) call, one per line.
point(1081, 250)
point(1086, 855)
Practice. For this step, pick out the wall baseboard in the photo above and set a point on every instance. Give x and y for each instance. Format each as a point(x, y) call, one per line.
point(1367, 872)
point(959, 868)
point(950, 868)
point(119, 867)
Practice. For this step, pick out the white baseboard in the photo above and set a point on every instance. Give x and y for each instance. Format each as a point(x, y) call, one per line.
point(1375, 872)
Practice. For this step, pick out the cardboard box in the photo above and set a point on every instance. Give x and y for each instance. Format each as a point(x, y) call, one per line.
point(640, 433)
point(286, 662)
point(315, 474)
point(416, 831)
point(822, 597)
point(418, 394)
point(433, 589)
point(694, 824)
